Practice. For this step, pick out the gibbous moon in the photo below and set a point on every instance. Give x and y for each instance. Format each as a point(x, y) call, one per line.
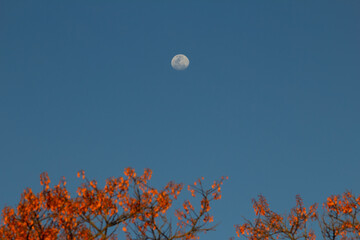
point(180, 62)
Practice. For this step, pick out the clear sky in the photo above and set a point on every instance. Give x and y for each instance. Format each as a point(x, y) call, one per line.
point(270, 99)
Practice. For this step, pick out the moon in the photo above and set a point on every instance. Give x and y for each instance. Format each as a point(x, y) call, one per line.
point(180, 62)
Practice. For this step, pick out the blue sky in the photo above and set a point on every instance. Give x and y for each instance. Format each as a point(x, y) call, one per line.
point(270, 99)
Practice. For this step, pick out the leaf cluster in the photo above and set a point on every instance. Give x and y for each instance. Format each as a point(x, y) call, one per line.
point(125, 204)
point(338, 220)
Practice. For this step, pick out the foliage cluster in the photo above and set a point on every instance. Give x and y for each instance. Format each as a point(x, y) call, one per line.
point(131, 205)
point(338, 220)
point(127, 203)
